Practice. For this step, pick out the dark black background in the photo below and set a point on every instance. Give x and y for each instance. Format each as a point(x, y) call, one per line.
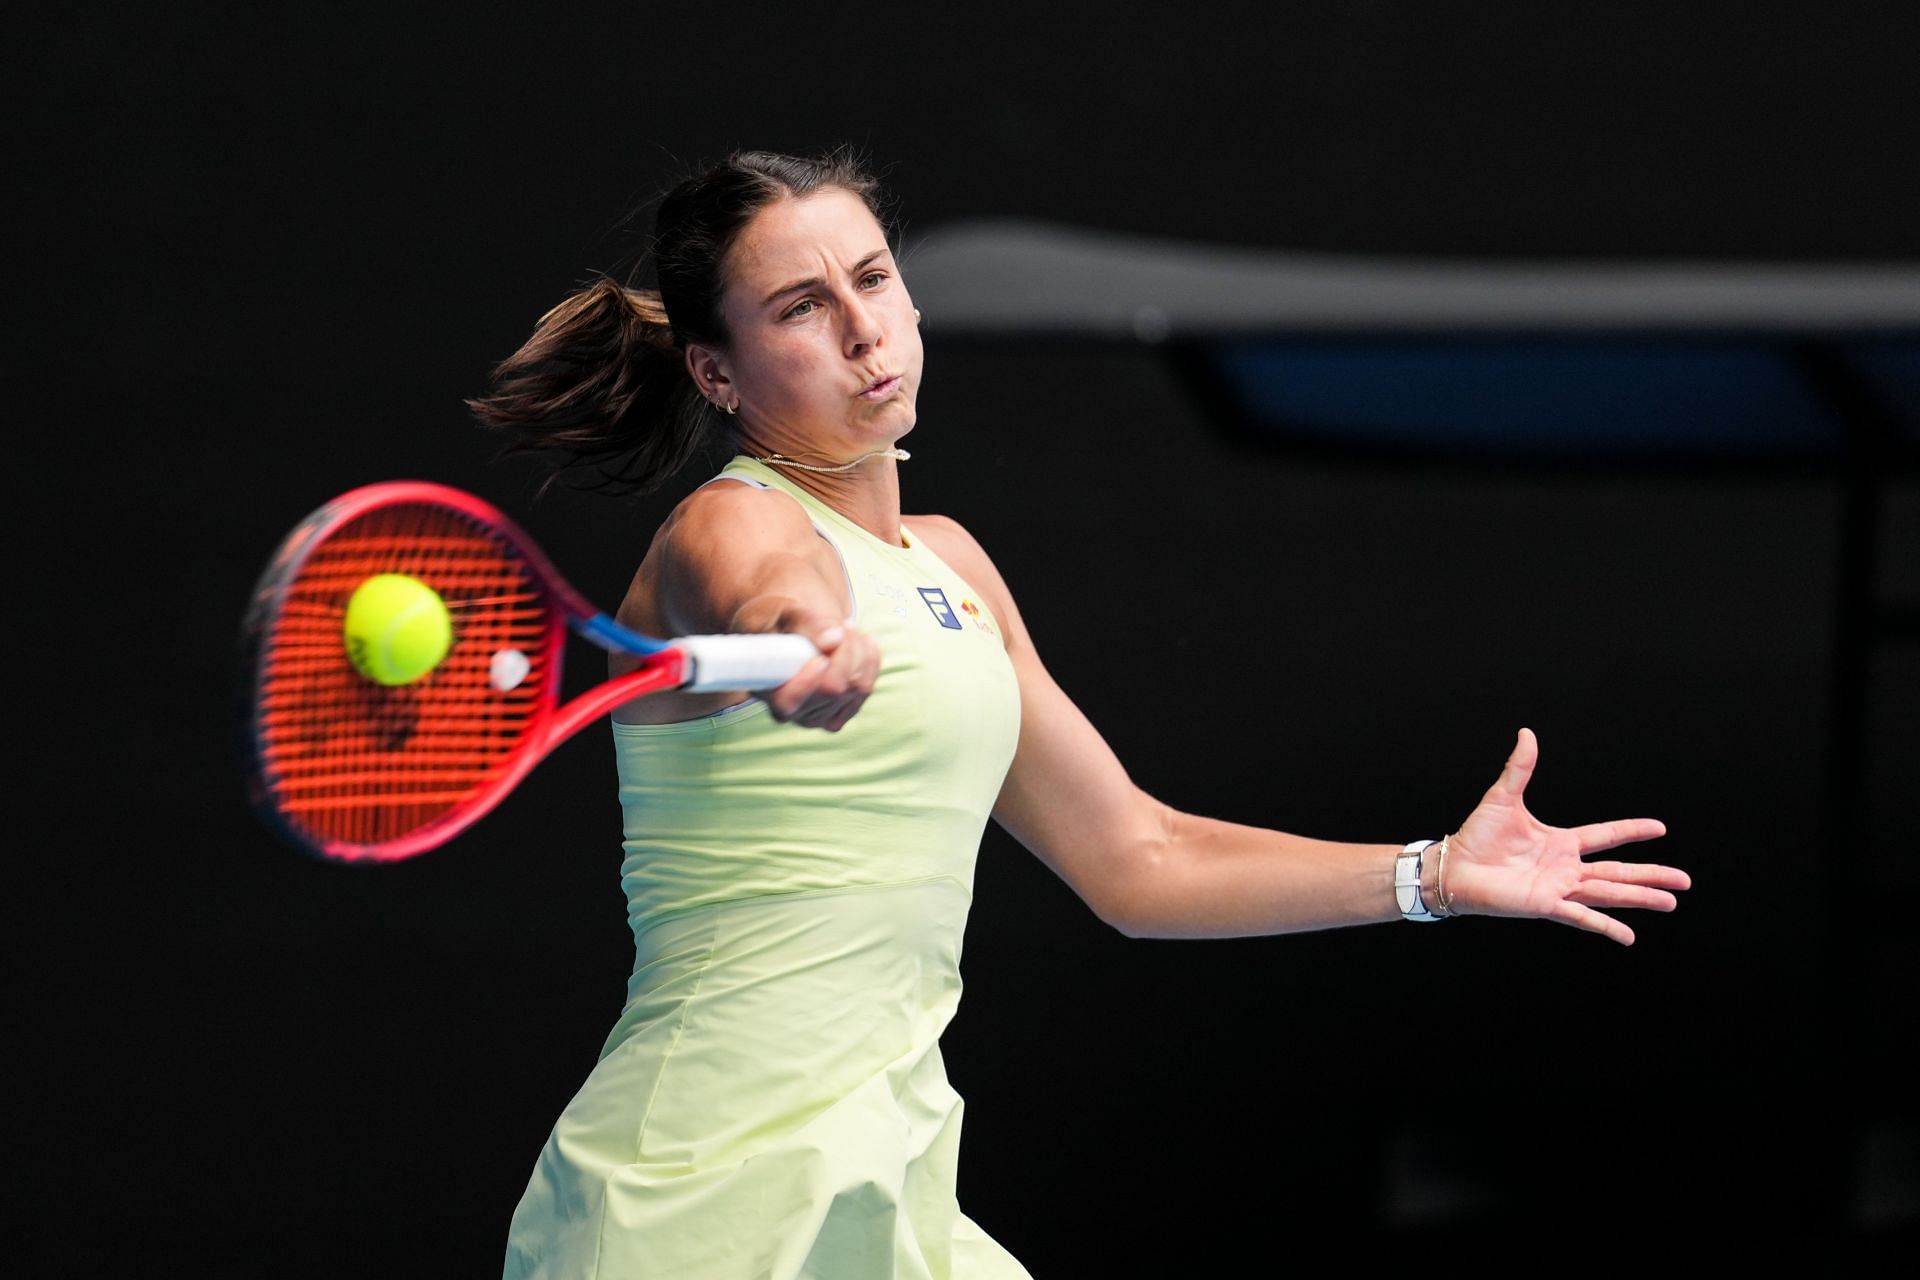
point(261, 254)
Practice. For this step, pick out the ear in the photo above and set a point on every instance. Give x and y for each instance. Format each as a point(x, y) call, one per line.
point(709, 370)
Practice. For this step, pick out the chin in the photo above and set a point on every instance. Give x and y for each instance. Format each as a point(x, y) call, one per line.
point(902, 420)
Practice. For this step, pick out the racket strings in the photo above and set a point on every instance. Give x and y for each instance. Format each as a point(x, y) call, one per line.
point(355, 763)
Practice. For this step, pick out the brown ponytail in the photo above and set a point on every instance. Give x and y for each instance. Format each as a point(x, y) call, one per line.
point(601, 383)
point(602, 380)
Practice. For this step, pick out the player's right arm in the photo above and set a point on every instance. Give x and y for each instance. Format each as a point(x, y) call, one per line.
point(735, 558)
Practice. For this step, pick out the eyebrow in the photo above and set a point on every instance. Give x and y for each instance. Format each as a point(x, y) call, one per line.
point(814, 281)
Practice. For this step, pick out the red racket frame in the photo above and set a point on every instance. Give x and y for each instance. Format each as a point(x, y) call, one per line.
point(300, 689)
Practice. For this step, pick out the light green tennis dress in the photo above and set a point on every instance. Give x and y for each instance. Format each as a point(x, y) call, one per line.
point(772, 1101)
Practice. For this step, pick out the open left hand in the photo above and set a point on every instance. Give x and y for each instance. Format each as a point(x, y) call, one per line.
point(1506, 862)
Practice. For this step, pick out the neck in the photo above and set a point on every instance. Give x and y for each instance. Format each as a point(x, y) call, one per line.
point(867, 494)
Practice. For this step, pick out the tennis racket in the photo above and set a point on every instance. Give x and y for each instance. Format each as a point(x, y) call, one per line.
point(355, 771)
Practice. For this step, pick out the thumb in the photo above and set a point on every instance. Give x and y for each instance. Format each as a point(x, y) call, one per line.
point(1512, 783)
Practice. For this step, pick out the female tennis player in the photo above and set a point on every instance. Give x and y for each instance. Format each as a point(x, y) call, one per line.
point(799, 865)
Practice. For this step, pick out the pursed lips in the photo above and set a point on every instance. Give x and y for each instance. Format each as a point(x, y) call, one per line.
point(881, 387)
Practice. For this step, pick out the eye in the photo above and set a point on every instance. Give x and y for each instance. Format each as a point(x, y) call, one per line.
point(879, 276)
point(795, 310)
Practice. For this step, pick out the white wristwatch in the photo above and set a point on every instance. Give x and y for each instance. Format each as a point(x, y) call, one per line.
point(1406, 882)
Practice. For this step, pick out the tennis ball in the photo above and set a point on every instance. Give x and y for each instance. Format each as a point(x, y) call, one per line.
point(397, 629)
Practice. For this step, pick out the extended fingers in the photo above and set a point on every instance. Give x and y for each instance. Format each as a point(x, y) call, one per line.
point(1596, 837)
point(1643, 873)
point(1610, 893)
point(1581, 917)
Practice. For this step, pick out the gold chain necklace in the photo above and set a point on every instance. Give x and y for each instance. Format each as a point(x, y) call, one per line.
point(782, 460)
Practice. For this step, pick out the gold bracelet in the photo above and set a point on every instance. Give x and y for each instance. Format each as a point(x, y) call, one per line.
point(1445, 899)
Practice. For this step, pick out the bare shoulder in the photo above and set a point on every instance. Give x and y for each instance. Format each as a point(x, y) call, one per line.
point(715, 523)
point(715, 549)
point(734, 511)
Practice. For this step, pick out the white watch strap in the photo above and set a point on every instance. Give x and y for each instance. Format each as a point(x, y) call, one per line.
point(1406, 882)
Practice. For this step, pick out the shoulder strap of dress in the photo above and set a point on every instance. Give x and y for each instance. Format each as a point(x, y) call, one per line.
point(758, 484)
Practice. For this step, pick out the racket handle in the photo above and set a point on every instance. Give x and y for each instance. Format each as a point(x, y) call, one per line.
point(743, 662)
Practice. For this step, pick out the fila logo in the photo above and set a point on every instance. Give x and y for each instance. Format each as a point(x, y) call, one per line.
point(942, 611)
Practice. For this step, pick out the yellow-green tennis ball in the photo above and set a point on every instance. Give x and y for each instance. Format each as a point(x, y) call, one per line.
point(397, 629)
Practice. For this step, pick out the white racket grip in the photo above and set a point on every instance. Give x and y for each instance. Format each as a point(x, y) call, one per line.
point(744, 662)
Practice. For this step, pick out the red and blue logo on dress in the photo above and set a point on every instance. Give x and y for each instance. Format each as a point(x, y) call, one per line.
point(978, 615)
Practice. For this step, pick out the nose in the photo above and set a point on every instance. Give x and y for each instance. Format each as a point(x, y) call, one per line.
point(863, 326)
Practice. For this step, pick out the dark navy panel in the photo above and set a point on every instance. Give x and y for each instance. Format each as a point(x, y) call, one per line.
point(1546, 396)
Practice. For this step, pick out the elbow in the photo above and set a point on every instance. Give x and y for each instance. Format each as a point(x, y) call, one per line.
point(1135, 918)
point(1121, 919)
point(1131, 896)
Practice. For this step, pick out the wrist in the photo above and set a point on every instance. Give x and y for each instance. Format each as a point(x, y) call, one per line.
point(1417, 886)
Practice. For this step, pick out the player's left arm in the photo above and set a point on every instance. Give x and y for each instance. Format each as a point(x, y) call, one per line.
point(1153, 871)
